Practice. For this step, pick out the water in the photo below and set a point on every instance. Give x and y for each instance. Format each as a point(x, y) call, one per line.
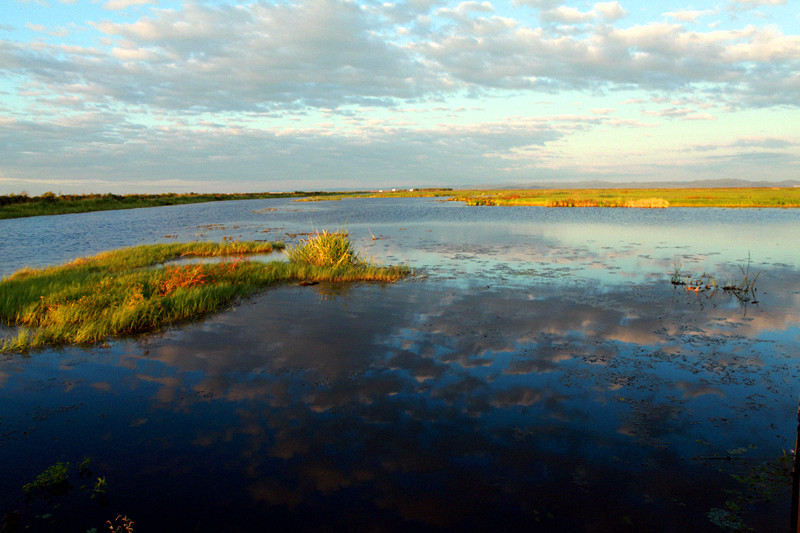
point(538, 373)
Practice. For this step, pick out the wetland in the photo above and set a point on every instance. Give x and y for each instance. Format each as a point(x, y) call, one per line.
point(539, 372)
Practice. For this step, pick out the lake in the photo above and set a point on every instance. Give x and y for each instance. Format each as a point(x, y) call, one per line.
point(540, 372)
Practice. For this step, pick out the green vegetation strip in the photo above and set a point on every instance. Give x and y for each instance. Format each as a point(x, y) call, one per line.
point(642, 198)
point(49, 203)
point(130, 290)
point(639, 198)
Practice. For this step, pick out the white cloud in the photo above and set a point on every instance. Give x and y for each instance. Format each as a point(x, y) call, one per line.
point(566, 15)
point(609, 10)
point(742, 5)
point(539, 4)
point(700, 116)
point(332, 53)
point(689, 15)
point(118, 5)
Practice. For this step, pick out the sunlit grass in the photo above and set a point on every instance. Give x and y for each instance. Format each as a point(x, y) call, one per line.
point(130, 290)
point(637, 198)
point(325, 249)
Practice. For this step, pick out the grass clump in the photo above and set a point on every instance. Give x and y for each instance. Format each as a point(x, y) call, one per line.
point(131, 290)
point(325, 249)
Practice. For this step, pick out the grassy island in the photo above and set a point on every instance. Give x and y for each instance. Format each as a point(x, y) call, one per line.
point(135, 290)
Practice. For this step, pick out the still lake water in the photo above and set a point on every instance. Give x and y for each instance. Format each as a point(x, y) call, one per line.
point(540, 373)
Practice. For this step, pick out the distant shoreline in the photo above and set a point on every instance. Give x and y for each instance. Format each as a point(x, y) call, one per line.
point(22, 205)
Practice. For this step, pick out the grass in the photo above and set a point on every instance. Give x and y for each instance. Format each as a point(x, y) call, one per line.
point(631, 197)
point(637, 198)
point(131, 290)
point(22, 205)
point(326, 249)
point(49, 203)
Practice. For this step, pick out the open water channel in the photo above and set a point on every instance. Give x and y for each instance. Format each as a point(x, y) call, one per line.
point(538, 373)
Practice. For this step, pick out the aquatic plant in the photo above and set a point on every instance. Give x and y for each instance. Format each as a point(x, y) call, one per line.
point(99, 488)
point(131, 290)
point(121, 524)
point(54, 480)
point(744, 288)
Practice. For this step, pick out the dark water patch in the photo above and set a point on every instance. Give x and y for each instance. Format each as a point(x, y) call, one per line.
point(415, 407)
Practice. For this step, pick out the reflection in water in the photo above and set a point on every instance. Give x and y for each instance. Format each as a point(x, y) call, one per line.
point(481, 396)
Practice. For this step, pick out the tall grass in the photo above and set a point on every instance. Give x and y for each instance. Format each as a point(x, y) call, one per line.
point(325, 249)
point(130, 290)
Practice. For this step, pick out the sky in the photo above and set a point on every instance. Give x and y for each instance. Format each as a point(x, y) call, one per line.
point(151, 96)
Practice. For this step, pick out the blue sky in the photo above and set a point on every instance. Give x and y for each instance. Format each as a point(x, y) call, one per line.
point(249, 95)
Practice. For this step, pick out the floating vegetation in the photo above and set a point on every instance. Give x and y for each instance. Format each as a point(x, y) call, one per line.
point(131, 290)
point(53, 481)
point(762, 482)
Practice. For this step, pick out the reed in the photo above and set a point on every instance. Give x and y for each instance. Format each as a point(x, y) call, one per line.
point(131, 290)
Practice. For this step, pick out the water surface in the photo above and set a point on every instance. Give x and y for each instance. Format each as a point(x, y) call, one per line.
point(539, 373)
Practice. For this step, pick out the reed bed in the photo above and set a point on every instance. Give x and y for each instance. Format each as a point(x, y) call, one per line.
point(131, 290)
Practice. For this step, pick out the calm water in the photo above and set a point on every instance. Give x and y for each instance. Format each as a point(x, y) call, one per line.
point(540, 373)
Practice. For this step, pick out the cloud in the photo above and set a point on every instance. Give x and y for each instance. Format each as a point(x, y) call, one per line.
point(700, 116)
point(745, 5)
point(609, 11)
point(118, 5)
point(566, 15)
point(94, 145)
point(332, 53)
point(539, 4)
point(688, 15)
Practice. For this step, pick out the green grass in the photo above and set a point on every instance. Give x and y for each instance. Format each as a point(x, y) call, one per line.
point(129, 291)
point(326, 249)
point(643, 198)
point(22, 205)
point(633, 198)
